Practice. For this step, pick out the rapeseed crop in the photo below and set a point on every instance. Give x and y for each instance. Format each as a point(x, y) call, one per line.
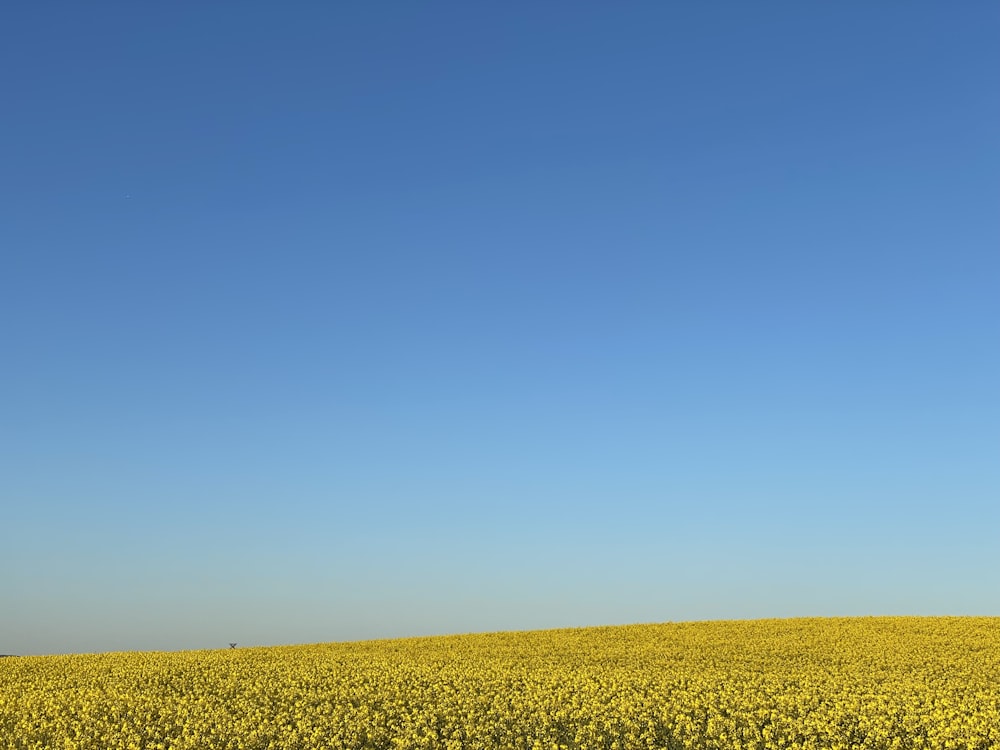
point(806, 684)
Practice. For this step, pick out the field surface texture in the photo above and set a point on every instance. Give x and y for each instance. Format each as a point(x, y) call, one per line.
point(810, 683)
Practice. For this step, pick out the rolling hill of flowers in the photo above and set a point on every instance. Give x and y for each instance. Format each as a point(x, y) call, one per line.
point(873, 683)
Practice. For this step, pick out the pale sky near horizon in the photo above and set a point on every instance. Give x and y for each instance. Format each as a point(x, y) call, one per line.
point(373, 320)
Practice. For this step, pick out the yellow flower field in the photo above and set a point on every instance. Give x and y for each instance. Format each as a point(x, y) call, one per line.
point(809, 683)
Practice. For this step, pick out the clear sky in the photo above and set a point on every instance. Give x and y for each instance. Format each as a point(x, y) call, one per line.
point(349, 321)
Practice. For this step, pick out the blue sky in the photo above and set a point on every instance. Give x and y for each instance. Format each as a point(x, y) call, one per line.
point(362, 321)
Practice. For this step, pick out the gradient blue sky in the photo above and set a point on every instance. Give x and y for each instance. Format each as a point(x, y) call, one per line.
point(363, 320)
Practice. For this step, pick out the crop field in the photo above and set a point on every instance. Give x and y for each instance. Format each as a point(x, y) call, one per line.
point(875, 683)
